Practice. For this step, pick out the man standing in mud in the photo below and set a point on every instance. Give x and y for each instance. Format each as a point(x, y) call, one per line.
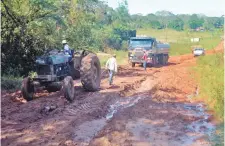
point(144, 57)
point(111, 65)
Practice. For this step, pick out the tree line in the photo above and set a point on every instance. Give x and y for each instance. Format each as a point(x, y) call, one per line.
point(30, 27)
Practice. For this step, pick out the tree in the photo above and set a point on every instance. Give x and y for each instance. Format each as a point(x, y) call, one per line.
point(219, 22)
point(155, 24)
point(21, 41)
point(176, 24)
point(195, 22)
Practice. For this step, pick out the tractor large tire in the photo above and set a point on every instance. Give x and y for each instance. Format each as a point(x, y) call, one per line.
point(27, 88)
point(68, 88)
point(90, 72)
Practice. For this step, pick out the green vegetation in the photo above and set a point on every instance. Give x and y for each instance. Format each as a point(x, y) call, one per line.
point(11, 83)
point(211, 78)
point(121, 57)
point(218, 137)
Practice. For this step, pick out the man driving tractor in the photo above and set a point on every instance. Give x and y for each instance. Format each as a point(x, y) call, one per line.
point(66, 48)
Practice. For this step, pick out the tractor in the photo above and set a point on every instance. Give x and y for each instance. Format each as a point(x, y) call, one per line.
point(56, 70)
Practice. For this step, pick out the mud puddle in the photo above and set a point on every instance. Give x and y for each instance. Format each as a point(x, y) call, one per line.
point(160, 132)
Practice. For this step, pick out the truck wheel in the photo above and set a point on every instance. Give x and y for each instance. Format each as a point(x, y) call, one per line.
point(90, 72)
point(27, 89)
point(165, 59)
point(160, 58)
point(154, 60)
point(68, 88)
point(133, 64)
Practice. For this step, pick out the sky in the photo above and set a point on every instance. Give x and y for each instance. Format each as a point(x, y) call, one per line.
point(207, 7)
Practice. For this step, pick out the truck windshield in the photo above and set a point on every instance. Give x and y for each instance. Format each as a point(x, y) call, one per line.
point(140, 42)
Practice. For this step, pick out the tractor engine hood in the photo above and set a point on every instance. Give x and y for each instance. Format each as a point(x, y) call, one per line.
point(52, 59)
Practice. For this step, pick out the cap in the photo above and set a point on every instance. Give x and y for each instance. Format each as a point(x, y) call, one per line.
point(64, 42)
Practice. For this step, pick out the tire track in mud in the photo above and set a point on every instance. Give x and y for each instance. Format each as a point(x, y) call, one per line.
point(92, 102)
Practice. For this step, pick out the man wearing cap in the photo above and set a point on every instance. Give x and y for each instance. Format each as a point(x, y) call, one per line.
point(66, 48)
point(111, 65)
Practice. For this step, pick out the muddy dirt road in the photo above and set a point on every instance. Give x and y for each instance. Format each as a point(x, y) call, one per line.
point(142, 108)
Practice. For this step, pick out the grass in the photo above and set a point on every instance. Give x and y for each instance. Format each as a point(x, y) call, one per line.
point(218, 138)
point(121, 57)
point(210, 71)
point(210, 76)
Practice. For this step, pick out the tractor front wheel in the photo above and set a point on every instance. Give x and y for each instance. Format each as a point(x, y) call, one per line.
point(68, 88)
point(27, 88)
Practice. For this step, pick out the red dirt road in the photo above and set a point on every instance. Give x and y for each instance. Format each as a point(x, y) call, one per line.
point(143, 108)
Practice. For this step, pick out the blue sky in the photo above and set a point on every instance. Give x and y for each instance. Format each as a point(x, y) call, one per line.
point(207, 7)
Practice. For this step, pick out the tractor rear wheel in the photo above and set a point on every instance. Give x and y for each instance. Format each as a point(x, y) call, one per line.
point(27, 88)
point(90, 72)
point(68, 88)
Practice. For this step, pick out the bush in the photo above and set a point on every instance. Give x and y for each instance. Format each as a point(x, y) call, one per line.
point(211, 78)
point(11, 83)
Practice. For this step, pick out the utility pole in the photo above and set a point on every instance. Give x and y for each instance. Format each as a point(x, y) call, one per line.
point(166, 32)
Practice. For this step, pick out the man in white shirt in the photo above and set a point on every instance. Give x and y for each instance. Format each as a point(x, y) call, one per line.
point(67, 50)
point(111, 65)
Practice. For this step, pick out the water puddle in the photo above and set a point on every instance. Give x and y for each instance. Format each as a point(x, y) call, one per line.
point(163, 132)
point(121, 104)
point(151, 132)
point(86, 131)
point(202, 125)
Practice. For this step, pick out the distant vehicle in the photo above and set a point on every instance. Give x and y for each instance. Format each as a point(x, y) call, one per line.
point(198, 52)
point(158, 53)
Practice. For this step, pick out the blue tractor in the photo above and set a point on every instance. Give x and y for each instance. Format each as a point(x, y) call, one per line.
point(56, 71)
